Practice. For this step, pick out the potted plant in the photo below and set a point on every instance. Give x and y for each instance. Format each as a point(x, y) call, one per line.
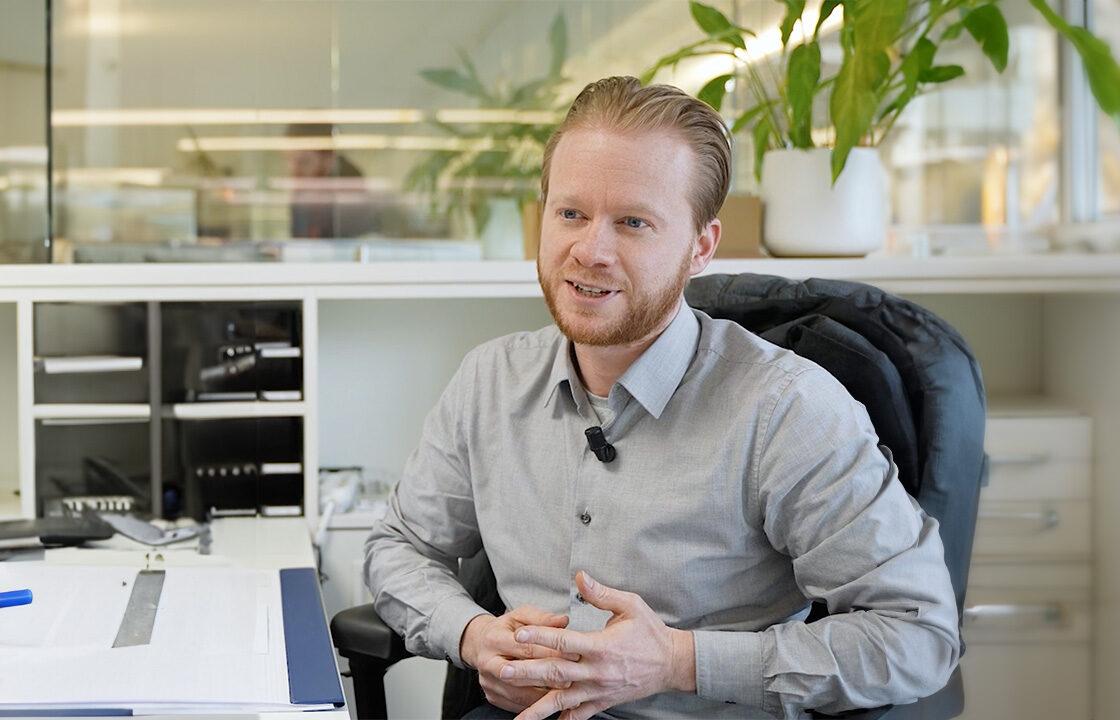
point(487, 179)
point(829, 196)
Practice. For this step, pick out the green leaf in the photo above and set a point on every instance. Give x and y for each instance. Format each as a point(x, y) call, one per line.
point(742, 121)
point(672, 59)
point(714, 91)
point(854, 101)
point(859, 84)
point(953, 31)
point(454, 80)
point(826, 10)
point(558, 42)
point(917, 61)
point(716, 24)
point(794, 8)
point(709, 19)
point(914, 63)
point(941, 74)
point(761, 135)
point(877, 22)
point(989, 28)
point(1100, 65)
point(804, 73)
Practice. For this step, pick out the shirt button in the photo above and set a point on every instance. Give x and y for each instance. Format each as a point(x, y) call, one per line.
point(580, 597)
point(585, 518)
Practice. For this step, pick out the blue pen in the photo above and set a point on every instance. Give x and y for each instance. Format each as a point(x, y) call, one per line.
point(15, 597)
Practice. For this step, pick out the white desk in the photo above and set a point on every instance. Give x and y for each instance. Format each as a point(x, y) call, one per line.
point(258, 543)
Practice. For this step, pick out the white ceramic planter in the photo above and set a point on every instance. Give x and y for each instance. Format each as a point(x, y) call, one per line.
point(805, 215)
point(501, 238)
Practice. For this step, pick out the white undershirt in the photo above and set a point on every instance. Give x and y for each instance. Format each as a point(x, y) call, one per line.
point(601, 406)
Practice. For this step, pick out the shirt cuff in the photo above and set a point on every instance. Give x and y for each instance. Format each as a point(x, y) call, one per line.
point(729, 669)
point(448, 621)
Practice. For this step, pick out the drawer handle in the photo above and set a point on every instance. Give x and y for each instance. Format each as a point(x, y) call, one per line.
point(1046, 519)
point(1019, 615)
point(1020, 460)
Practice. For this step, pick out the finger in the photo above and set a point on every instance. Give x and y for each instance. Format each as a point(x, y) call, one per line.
point(510, 648)
point(569, 642)
point(618, 602)
point(508, 697)
point(529, 615)
point(550, 673)
point(584, 711)
point(554, 702)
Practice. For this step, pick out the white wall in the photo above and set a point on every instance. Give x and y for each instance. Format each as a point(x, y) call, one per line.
point(1082, 343)
point(1005, 334)
point(384, 363)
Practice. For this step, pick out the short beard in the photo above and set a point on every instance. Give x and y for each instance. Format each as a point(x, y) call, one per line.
point(646, 314)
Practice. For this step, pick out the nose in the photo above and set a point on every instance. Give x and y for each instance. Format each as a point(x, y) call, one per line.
point(596, 247)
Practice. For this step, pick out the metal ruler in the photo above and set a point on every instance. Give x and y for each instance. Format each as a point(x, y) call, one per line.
point(140, 614)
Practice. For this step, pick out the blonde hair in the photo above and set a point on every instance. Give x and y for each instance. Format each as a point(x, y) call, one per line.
point(623, 104)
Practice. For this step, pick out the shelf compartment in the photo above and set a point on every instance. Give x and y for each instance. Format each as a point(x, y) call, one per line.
point(90, 353)
point(231, 349)
point(235, 465)
point(91, 460)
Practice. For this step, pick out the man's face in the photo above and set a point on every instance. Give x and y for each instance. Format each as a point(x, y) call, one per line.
point(310, 163)
point(617, 219)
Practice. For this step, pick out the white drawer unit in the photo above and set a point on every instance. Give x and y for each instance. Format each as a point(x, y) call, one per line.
point(1017, 603)
point(1028, 620)
point(1038, 457)
point(1032, 530)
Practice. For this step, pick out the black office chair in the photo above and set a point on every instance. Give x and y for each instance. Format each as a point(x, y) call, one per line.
point(922, 389)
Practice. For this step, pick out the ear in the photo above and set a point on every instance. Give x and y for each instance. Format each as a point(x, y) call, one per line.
point(705, 247)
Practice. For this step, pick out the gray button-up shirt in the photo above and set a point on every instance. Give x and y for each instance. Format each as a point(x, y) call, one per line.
point(747, 482)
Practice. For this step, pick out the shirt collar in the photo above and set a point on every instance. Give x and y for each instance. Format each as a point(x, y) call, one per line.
point(654, 376)
point(564, 371)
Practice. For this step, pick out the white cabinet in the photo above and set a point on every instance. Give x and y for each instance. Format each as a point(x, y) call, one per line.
point(1029, 607)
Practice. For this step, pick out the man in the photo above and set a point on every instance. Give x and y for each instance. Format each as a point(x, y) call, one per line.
point(329, 198)
point(672, 580)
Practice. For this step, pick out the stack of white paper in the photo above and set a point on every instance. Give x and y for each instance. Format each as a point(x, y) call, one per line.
point(217, 644)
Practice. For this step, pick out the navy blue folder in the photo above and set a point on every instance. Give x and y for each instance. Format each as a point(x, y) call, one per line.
point(312, 673)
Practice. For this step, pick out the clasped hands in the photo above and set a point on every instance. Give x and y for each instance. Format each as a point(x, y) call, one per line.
point(529, 662)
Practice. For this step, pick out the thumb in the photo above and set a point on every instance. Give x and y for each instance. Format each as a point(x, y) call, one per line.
point(603, 597)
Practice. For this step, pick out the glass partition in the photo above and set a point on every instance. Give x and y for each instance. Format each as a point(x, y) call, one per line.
point(23, 131)
point(245, 130)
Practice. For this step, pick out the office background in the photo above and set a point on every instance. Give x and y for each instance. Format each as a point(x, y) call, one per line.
point(171, 139)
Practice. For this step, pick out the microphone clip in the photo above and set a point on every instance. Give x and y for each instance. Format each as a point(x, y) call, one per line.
point(599, 445)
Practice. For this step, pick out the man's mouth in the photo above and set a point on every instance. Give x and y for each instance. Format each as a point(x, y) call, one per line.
point(590, 291)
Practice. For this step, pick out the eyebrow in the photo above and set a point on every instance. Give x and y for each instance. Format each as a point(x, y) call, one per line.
point(640, 209)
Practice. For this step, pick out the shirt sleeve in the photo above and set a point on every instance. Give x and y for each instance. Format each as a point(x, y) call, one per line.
point(831, 500)
point(412, 553)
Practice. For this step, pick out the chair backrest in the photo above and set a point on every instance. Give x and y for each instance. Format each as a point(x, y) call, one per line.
point(914, 373)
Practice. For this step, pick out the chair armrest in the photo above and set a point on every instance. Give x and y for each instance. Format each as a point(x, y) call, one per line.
point(359, 631)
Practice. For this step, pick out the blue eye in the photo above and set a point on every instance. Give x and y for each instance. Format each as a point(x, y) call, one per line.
point(634, 223)
point(569, 214)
